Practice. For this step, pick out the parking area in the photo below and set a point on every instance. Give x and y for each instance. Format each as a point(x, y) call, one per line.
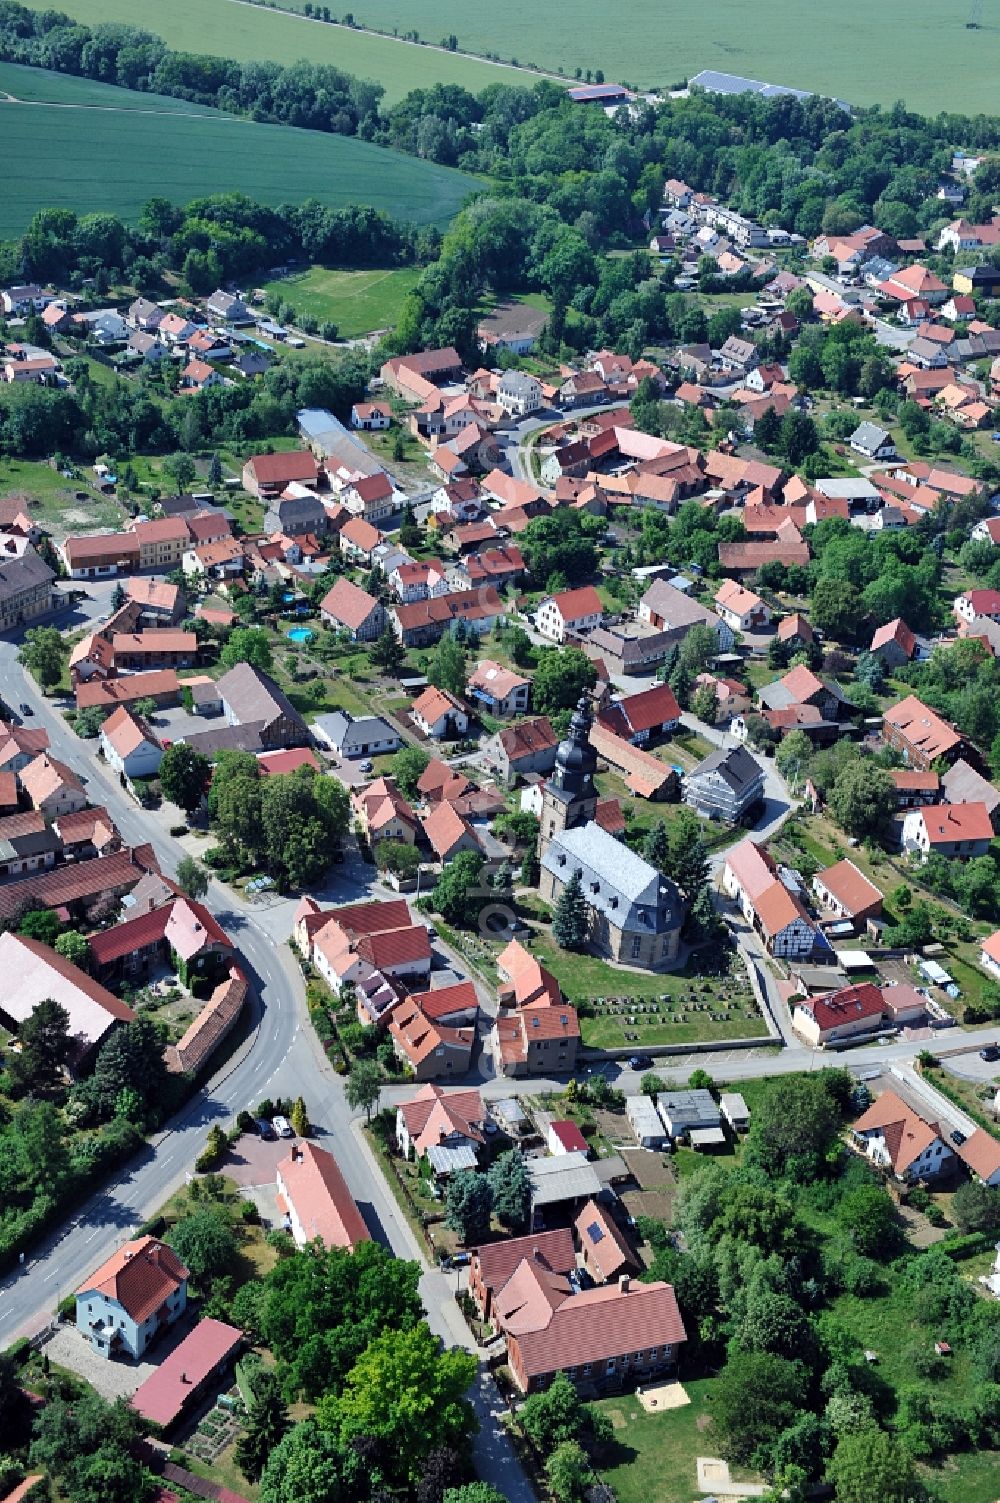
point(174, 723)
point(252, 1161)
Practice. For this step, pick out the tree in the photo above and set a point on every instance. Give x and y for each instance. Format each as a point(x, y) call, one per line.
point(304, 1467)
point(976, 1207)
point(407, 768)
point(72, 945)
point(43, 654)
point(205, 1243)
point(89, 721)
point(407, 1393)
point(118, 596)
point(131, 1057)
point(15, 1413)
point(266, 1423)
point(794, 1126)
point(868, 1216)
point(511, 1190)
point(520, 647)
point(460, 892)
point(699, 648)
point(835, 609)
point(871, 1464)
point(180, 468)
point(248, 644)
point(300, 1118)
point(41, 924)
point(446, 669)
point(863, 799)
point(568, 1472)
point(364, 1086)
point(397, 857)
point(468, 1205)
point(192, 878)
point(46, 1045)
point(571, 920)
point(705, 704)
point(562, 675)
point(388, 652)
point(556, 1414)
point(793, 756)
point(656, 847)
point(184, 775)
point(757, 1395)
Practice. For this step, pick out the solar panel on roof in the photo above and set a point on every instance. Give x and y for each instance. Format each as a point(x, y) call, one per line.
point(595, 1232)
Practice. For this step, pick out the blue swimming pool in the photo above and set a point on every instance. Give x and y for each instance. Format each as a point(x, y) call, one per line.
point(300, 634)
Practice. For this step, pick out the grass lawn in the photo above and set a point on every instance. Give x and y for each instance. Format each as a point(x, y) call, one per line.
point(253, 32)
point(356, 301)
point(966, 1094)
point(657, 1452)
point(969, 1478)
point(52, 501)
point(200, 151)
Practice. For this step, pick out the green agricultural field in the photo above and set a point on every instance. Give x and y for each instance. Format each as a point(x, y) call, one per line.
point(867, 54)
point(356, 301)
point(250, 32)
point(113, 149)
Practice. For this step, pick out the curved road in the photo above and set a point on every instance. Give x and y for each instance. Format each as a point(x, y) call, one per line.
point(280, 1057)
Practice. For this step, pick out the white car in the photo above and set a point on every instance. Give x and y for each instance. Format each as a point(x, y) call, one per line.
point(282, 1127)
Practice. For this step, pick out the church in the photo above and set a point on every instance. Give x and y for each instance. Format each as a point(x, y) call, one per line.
point(635, 913)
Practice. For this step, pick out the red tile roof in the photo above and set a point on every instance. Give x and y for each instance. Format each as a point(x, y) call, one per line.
point(607, 1253)
point(209, 1028)
point(140, 1276)
point(316, 1190)
point(905, 1132)
point(395, 947)
point(279, 469)
point(895, 631)
point(921, 728)
point(445, 1001)
point(348, 604)
point(980, 1153)
point(569, 1136)
point(574, 604)
point(946, 823)
point(163, 1395)
point(528, 737)
point(497, 1260)
point(846, 1006)
point(850, 887)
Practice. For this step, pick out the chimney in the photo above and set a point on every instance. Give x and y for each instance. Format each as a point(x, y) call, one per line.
point(623, 1283)
point(185, 1378)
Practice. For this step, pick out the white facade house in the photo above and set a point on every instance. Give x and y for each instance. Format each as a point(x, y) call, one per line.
point(519, 394)
point(571, 611)
point(138, 1292)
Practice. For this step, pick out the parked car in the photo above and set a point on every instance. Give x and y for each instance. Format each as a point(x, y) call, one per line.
point(990, 1053)
point(366, 765)
point(26, 708)
point(265, 1130)
point(640, 1062)
point(282, 1127)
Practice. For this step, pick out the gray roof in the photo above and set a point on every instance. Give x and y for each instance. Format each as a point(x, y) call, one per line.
point(733, 1104)
point(567, 1176)
point(252, 696)
point(853, 488)
point(246, 737)
point(520, 383)
point(340, 728)
point(339, 446)
point(676, 608)
point(735, 766)
point(641, 1112)
point(618, 883)
point(869, 436)
point(685, 1109)
point(24, 573)
point(962, 784)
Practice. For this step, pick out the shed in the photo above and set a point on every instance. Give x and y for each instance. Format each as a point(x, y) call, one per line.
point(566, 1137)
point(646, 1122)
point(445, 1160)
point(735, 1110)
point(707, 1137)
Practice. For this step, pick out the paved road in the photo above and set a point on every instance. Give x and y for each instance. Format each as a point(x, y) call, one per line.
point(281, 1057)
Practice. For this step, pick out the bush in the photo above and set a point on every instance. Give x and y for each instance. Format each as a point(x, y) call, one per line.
point(154, 1227)
point(249, 1213)
point(863, 1278)
point(66, 1308)
point(245, 1122)
point(20, 1350)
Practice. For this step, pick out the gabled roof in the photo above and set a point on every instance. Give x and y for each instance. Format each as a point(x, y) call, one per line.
point(907, 1135)
point(573, 605)
point(348, 604)
point(895, 631)
point(753, 868)
point(46, 776)
point(316, 1189)
point(445, 828)
point(140, 1276)
point(528, 737)
point(846, 1006)
point(435, 1110)
point(124, 732)
point(434, 704)
point(924, 730)
point(497, 1260)
point(644, 711)
point(980, 1153)
point(850, 887)
point(164, 1393)
point(603, 1243)
point(776, 909)
point(946, 823)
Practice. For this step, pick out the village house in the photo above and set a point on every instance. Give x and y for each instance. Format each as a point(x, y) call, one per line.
point(725, 785)
point(962, 784)
point(571, 611)
point(439, 714)
point(847, 893)
point(644, 717)
point(384, 814)
point(872, 442)
point(919, 735)
point(439, 1118)
point(210, 1026)
point(188, 1374)
point(740, 608)
point(425, 621)
point(528, 747)
point(371, 497)
point(897, 1138)
point(957, 830)
point(138, 1292)
point(313, 1195)
point(51, 787)
point(348, 608)
point(674, 613)
point(128, 746)
point(852, 1012)
point(894, 644)
point(266, 475)
point(161, 542)
point(447, 832)
point(371, 417)
point(492, 1265)
point(25, 589)
point(500, 691)
point(416, 377)
point(35, 972)
point(350, 736)
point(100, 555)
point(27, 844)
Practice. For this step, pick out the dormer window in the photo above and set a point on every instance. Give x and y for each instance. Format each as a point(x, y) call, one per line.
point(595, 886)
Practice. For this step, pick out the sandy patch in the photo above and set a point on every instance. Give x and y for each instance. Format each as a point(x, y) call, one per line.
point(660, 1396)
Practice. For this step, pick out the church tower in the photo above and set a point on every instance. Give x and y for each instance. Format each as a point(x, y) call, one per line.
point(569, 797)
